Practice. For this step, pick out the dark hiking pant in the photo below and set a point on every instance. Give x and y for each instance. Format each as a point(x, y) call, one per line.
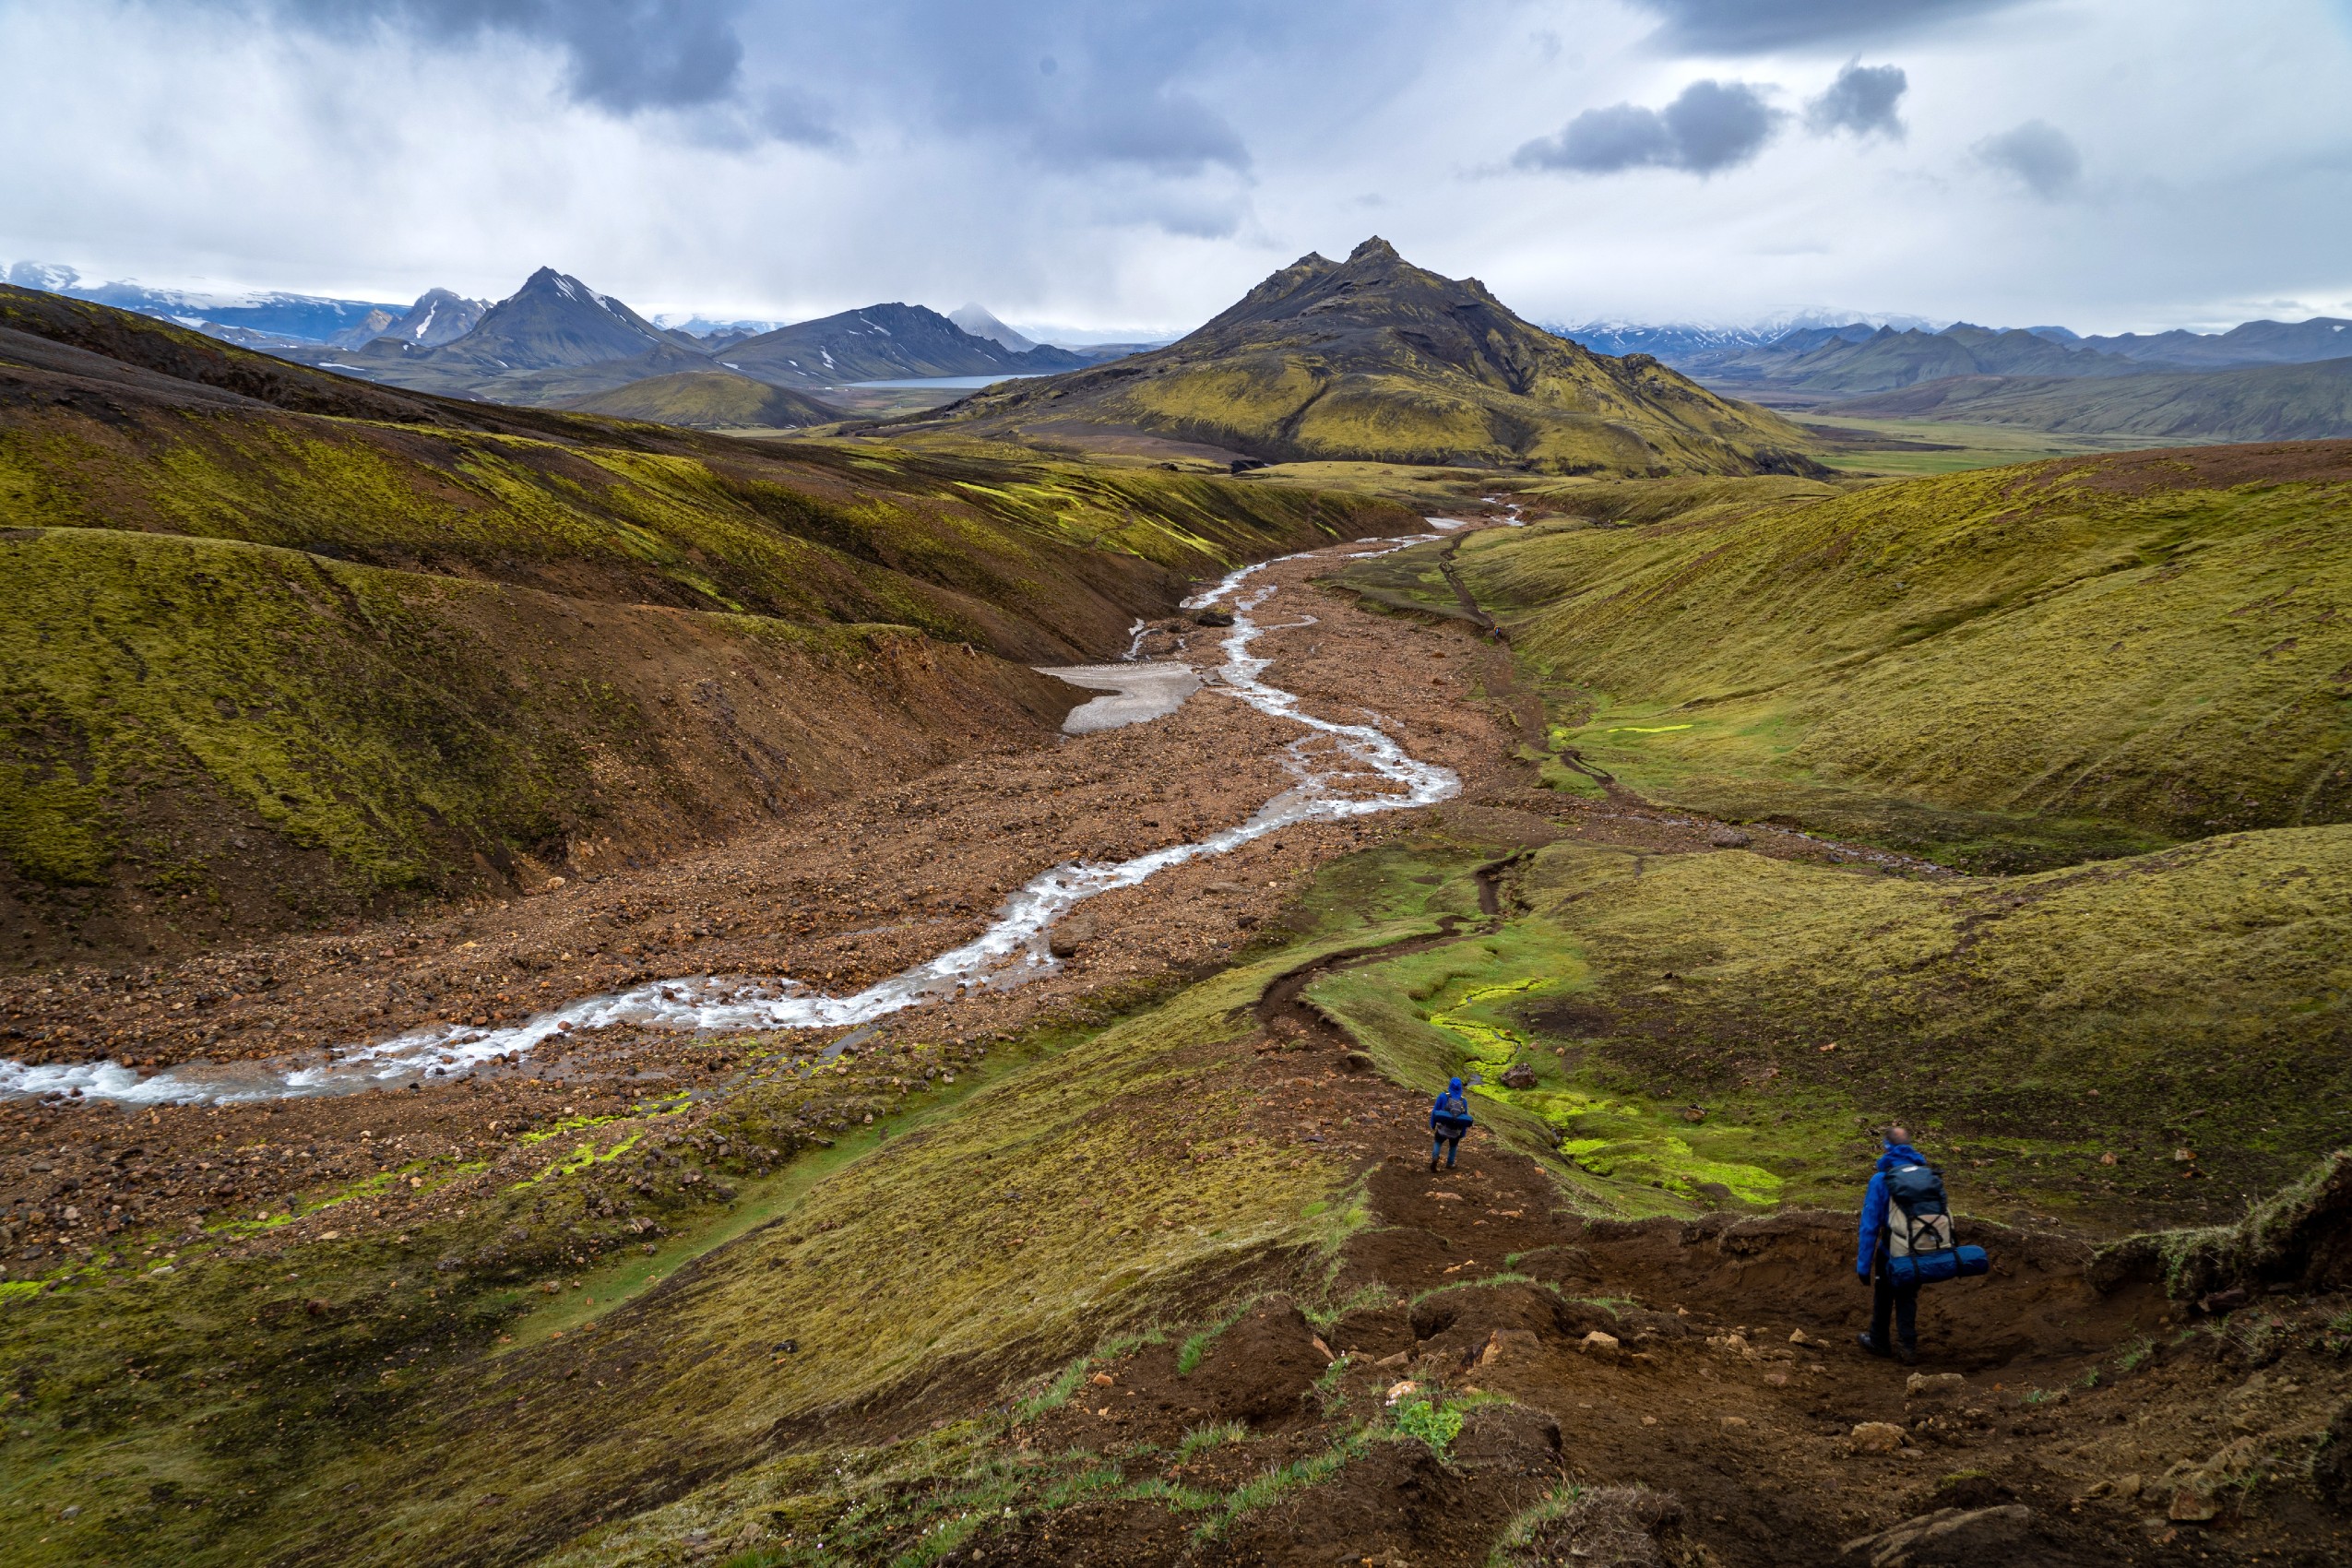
point(1445, 1144)
point(1899, 1301)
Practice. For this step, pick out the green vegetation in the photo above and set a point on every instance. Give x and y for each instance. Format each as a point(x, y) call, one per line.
point(1998, 670)
point(1854, 443)
point(1436, 1425)
point(1722, 1029)
point(394, 724)
point(1375, 360)
point(710, 399)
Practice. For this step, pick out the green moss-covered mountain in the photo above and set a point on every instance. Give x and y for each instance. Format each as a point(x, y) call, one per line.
point(287, 642)
point(710, 399)
point(2001, 668)
point(1377, 359)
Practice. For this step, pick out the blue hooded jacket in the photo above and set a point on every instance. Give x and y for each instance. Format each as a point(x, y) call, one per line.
point(1874, 1203)
point(1451, 1113)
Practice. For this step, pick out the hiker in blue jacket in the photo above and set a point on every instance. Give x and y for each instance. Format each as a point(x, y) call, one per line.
point(1449, 1118)
point(1888, 1300)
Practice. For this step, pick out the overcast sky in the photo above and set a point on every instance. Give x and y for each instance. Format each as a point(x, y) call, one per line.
point(2106, 164)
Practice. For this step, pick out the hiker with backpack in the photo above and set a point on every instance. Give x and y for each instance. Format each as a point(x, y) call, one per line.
point(1449, 1118)
point(1905, 1242)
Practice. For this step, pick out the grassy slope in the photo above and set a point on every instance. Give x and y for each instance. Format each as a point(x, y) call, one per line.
point(1085, 1178)
point(2288, 402)
point(2194, 997)
point(1999, 668)
point(332, 669)
point(712, 399)
point(397, 723)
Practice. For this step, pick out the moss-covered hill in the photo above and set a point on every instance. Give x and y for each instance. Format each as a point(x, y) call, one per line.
point(1376, 359)
point(712, 399)
point(287, 643)
point(2001, 669)
point(1714, 1028)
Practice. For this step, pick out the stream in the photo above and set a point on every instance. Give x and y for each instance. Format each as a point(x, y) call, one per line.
point(1339, 771)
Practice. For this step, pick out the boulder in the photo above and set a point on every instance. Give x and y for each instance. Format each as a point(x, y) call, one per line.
point(1935, 1386)
point(1877, 1437)
point(1946, 1536)
point(1071, 932)
point(1730, 838)
point(1518, 1075)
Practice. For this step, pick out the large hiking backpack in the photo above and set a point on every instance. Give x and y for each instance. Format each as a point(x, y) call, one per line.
point(1920, 1248)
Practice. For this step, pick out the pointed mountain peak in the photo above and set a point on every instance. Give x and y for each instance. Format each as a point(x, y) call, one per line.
point(1373, 249)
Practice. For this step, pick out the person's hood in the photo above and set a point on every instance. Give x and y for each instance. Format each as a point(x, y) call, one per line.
point(1455, 1086)
point(1898, 1155)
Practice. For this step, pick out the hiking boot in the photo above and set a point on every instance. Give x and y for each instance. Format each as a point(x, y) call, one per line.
point(1432, 1165)
point(1907, 1355)
point(1873, 1346)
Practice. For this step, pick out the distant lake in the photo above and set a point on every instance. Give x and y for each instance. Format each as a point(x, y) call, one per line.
point(954, 383)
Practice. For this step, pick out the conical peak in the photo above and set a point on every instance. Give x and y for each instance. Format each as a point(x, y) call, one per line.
point(1374, 249)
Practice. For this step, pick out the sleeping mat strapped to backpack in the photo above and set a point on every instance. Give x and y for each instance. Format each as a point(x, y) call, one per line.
point(1919, 1245)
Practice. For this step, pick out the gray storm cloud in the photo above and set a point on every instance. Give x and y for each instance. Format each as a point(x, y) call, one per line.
point(2038, 156)
point(1760, 26)
point(1862, 102)
point(1711, 127)
point(623, 56)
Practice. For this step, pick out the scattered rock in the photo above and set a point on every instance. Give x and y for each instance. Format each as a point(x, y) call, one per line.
point(1400, 1388)
point(2221, 1301)
point(1877, 1437)
point(1799, 1337)
point(1071, 932)
point(1730, 838)
point(1509, 1344)
point(2192, 1504)
point(1356, 1062)
point(1518, 1075)
point(1214, 617)
point(1103, 1379)
point(1935, 1386)
point(1598, 1344)
point(1948, 1534)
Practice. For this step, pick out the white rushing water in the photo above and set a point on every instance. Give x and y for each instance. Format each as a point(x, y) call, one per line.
point(1341, 771)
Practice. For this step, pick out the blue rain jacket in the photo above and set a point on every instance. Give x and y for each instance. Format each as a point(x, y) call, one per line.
point(1451, 1113)
point(1874, 1204)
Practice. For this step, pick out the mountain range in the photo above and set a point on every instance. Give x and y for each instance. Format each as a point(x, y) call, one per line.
point(2258, 381)
point(556, 341)
point(1376, 358)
